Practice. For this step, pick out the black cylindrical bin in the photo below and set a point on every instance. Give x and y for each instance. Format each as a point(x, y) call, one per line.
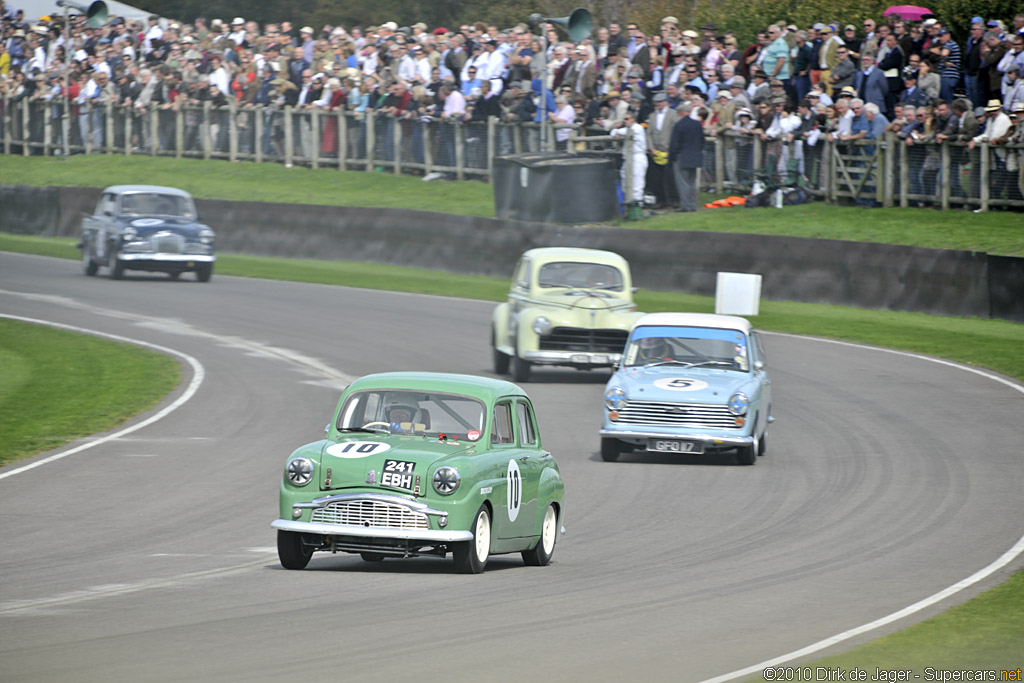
point(556, 187)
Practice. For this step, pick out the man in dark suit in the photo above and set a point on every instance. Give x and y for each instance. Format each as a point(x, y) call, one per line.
point(870, 82)
point(685, 156)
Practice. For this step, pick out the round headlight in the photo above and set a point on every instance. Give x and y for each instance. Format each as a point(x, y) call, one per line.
point(446, 480)
point(299, 471)
point(738, 403)
point(206, 236)
point(541, 325)
point(615, 398)
point(129, 234)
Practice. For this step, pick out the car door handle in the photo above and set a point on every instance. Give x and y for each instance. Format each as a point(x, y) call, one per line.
point(524, 458)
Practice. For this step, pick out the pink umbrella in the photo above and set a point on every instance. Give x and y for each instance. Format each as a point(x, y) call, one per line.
point(909, 12)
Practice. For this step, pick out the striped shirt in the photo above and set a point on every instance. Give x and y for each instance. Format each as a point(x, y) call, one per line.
point(951, 67)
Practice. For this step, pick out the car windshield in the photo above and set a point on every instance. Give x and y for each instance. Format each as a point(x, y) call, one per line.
point(152, 203)
point(401, 411)
point(688, 346)
point(574, 274)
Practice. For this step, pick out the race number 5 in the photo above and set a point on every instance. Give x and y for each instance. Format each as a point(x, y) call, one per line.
point(514, 490)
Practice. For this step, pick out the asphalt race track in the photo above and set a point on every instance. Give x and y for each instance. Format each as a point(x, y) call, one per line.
point(150, 557)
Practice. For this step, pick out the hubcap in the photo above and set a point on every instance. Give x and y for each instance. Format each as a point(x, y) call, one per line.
point(548, 532)
point(483, 537)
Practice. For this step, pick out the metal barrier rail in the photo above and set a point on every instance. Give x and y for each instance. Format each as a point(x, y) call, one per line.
point(885, 172)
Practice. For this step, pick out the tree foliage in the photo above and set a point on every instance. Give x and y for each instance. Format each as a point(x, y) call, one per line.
point(742, 17)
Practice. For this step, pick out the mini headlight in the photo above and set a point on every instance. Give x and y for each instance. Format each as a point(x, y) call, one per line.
point(129, 234)
point(541, 325)
point(206, 236)
point(615, 399)
point(738, 403)
point(299, 471)
point(446, 480)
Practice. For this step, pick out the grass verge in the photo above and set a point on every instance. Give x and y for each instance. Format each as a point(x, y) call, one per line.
point(993, 232)
point(57, 386)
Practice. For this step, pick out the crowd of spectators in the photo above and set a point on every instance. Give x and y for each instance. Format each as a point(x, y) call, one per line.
point(832, 79)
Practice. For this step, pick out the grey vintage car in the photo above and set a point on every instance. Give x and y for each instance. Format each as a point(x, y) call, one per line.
point(146, 227)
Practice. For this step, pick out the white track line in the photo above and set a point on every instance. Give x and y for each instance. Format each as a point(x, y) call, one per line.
point(980, 575)
point(198, 374)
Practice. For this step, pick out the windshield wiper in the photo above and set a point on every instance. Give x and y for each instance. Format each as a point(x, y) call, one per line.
point(362, 430)
point(711, 362)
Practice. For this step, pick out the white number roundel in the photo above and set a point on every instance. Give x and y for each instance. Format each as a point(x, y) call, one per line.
point(357, 449)
point(514, 490)
point(680, 384)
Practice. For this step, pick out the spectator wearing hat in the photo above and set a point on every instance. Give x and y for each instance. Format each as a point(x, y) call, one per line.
point(758, 91)
point(949, 64)
point(1014, 93)
point(831, 57)
point(686, 157)
point(913, 96)
point(852, 42)
point(990, 78)
point(236, 33)
point(997, 132)
point(660, 123)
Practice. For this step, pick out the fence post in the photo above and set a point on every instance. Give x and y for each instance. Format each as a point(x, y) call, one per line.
point(289, 137)
point(947, 181)
point(232, 130)
point(984, 159)
point(904, 176)
point(314, 126)
point(342, 140)
point(179, 132)
point(396, 148)
point(25, 126)
point(205, 129)
point(889, 165)
point(428, 149)
point(258, 128)
point(47, 131)
point(719, 165)
point(371, 138)
point(459, 131)
point(492, 137)
point(129, 123)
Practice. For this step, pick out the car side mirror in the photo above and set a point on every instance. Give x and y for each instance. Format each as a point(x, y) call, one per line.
point(327, 428)
point(758, 365)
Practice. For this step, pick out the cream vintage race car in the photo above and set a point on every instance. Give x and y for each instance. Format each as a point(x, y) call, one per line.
point(566, 307)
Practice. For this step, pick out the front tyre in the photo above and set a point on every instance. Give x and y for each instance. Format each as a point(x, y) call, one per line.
point(89, 267)
point(292, 552)
point(501, 360)
point(520, 369)
point(204, 271)
point(116, 268)
point(471, 556)
point(747, 455)
point(540, 556)
point(610, 450)
point(372, 557)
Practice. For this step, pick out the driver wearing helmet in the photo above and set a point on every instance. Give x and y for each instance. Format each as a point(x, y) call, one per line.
point(653, 349)
point(400, 419)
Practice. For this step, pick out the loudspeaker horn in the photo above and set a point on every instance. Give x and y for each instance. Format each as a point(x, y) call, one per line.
point(95, 14)
point(579, 24)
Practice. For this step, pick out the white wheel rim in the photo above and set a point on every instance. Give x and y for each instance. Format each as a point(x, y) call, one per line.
point(547, 533)
point(482, 541)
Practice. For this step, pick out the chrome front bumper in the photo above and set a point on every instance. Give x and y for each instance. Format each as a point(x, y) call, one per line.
point(572, 358)
point(169, 258)
point(707, 439)
point(373, 532)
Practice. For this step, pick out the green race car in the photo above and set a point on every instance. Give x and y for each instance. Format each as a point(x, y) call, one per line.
point(419, 463)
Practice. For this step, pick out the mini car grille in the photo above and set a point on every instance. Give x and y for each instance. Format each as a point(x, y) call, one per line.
point(166, 243)
point(371, 513)
point(576, 339)
point(676, 415)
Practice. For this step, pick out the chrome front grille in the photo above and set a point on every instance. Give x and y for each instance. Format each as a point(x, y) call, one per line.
point(577, 339)
point(676, 415)
point(370, 513)
point(168, 243)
